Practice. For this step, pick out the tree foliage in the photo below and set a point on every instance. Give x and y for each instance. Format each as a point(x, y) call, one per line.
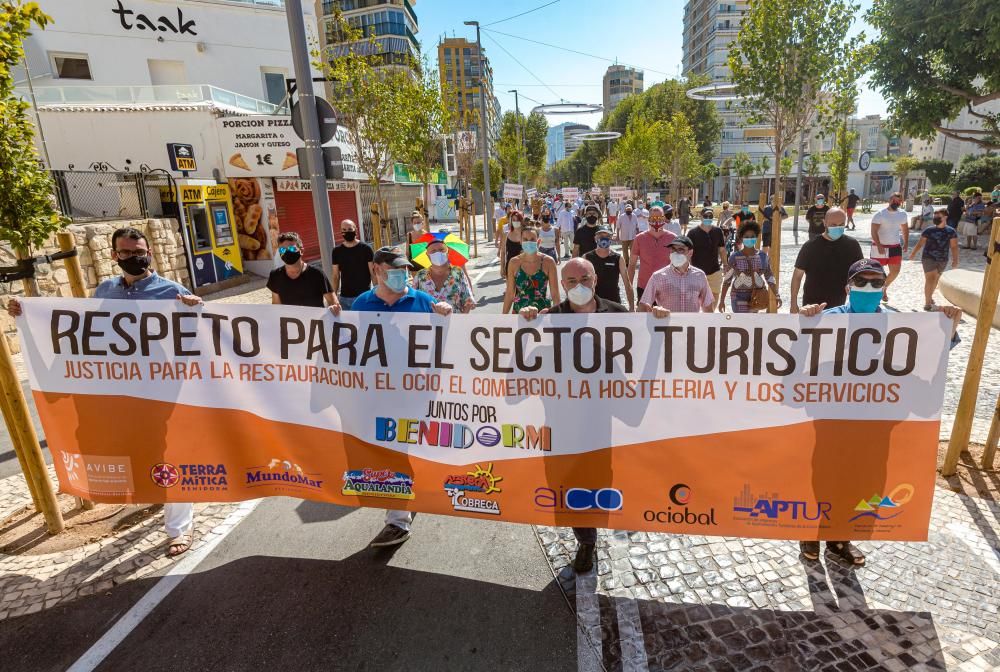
point(744, 168)
point(429, 118)
point(937, 170)
point(496, 173)
point(679, 157)
point(931, 60)
point(521, 146)
point(28, 215)
point(982, 171)
point(840, 160)
point(902, 168)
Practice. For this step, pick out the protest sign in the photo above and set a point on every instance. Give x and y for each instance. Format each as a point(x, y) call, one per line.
point(515, 191)
point(570, 193)
point(621, 193)
point(771, 426)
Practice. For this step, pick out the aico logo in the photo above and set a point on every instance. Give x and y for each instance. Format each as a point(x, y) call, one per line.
point(680, 495)
point(378, 483)
point(280, 472)
point(579, 499)
point(468, 491)
point(191, 477)
point(772, 507)
point(884, 507)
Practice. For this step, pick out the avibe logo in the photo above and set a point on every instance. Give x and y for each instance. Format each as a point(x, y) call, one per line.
point(680, 496)
point(191, 477)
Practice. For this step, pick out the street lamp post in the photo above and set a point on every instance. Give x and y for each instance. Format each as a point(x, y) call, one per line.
point(487, 210)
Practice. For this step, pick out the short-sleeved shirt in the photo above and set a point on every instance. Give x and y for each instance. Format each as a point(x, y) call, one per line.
point(852, 200)
point(414, 301)
point(628, 226)
point(585, 239)
point(603, 306)
point(678, 292)
point(683, 209)
point(815, 216)
point(955, 208)
point(826, 263)
point(974, 212)
point(455, 289)
point(890, 223)
point(306, 290)
point(706, 248)
point(937, 242)
point(150, 288)
point(643, 216)
point(565, 221)
point(651, 253)
point(608, 271)
point(355, 277)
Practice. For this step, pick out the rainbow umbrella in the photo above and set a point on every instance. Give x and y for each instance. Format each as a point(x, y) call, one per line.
point(458, 249)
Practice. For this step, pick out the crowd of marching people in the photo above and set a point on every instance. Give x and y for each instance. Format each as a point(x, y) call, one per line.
point(560, 257)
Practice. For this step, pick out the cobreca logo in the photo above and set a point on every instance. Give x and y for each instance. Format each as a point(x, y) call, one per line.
point(482, 482)
point(884, 507)
point(283, 473)
point(378, 483)
point(680, 495)
point(191, 477)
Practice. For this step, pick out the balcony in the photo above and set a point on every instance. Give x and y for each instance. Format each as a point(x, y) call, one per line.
point(147, 95)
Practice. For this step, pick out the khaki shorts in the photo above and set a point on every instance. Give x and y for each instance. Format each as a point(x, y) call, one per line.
point(715, 283)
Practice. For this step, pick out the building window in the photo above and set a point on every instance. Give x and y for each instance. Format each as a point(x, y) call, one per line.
point(70, 66)
point(274, 85)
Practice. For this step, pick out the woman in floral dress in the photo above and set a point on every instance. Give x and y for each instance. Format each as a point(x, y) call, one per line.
point(529, 275)
point(444, 281)
point(749, 268)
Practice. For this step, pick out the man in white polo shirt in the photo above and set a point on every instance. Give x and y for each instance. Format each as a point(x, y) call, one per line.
point(890, 239)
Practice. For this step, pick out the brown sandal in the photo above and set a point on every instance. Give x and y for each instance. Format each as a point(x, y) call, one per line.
point(179, 545)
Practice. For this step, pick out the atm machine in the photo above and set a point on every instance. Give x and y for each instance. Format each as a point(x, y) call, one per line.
point(208, 227)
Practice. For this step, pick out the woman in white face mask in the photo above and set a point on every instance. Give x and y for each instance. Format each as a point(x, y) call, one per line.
point(418, 227)
point(529, 276)
point(444, 281)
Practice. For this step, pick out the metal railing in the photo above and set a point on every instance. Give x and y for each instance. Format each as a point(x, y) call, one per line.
point(91, 196)
point(164, 94)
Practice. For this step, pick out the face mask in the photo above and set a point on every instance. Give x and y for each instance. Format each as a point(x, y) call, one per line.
point(349, 236)
point(820, 201)
point(894, 206)
point(134, 265)
point(438, 258)
point(749, 242)
point(707, 223)
point(291, 258)
point(866, 299)
point(677, 260)
point(746, 210)
point(604, 243)
point(628, 211)
point(397, 279)
point(591, 220)
point(835, 232)
point(580, 295)
point(530, 247)
point(516, 224)
point(417, 226)
point(546, 218)
point(656, 225)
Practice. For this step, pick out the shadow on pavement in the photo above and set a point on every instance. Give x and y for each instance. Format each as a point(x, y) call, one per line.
point(321, 512)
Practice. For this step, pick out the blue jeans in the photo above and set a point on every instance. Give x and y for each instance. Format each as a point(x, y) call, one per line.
point(346, 302)
point(551, 251)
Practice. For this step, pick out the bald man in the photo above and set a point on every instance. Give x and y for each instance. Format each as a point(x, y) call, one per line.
point(353, 272)
point(824, 262)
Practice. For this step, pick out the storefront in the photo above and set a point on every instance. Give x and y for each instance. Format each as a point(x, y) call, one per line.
point(293, 199)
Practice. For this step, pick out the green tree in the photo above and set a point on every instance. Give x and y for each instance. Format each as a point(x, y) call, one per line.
point(496, 172)
point(811, 168)
point(638, 152)
point(938, 171)
point(509, 146)
point(902, 168)
point(536, 129)
point(840, 159)
point(744, 168)
point(709, 172)
point(978, 171)
point(373, 103)
point(28, 215)
point(792, 65)
point(929, 73)
point(430, 118)
point(678, 153)
point(726, 171)
point(762, 168)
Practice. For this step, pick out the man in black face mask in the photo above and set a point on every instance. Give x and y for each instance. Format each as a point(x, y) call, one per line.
point(353, 272)
point(130, 250)
point(297, 283)
point(584, 240)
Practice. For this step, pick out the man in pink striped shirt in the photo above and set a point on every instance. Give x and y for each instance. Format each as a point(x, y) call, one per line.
point(680, 287)
point(651, 249)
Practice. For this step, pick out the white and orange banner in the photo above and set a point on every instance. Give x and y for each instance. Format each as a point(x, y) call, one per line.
point(734, 425)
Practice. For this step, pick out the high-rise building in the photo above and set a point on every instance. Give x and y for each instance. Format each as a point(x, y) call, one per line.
point(458, 63)
point(620, 82)
point(560, 143)
point(392, 23)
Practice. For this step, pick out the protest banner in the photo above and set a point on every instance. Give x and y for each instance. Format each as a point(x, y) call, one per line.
point(653, 196)
point(621, 193)
point(595, 191)
point(515, 191)
point(570, 193)
point(772, 426)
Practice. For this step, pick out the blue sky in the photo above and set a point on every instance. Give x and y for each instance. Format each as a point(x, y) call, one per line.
point(643, 33)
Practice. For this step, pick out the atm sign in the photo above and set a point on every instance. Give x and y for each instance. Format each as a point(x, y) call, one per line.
point(181, 157)
point(191, 194)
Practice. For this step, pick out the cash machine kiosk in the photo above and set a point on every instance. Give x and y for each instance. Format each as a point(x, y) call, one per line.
point(205, 213)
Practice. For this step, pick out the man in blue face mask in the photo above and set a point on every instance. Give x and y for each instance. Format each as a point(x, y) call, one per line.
point(393, 294)
point(824, 262)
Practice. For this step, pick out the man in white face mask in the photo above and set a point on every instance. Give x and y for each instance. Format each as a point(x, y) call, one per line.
point(680, 287)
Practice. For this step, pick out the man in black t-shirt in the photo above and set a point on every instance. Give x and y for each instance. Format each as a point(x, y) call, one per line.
point(584, 239)
point(353, 271)
point(610, 269)
point(825, 261)
point(297, 283)
point(852, 203)
point(815, 215)
point(709, 252)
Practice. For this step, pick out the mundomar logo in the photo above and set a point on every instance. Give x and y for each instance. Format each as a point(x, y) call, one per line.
point(282, 472)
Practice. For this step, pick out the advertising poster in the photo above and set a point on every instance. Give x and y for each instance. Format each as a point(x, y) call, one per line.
point(773, 426)
point(256, 217)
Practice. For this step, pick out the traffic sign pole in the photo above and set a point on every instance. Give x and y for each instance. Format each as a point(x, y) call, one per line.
point(310, 128)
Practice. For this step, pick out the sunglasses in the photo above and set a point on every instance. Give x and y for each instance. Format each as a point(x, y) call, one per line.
point(862, 282)
point(288, 248)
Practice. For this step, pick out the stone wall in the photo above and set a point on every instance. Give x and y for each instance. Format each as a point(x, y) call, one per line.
point(93, 244)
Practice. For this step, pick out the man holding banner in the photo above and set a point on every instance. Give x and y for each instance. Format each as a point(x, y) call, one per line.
point(393, 294)
point(130, 251)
